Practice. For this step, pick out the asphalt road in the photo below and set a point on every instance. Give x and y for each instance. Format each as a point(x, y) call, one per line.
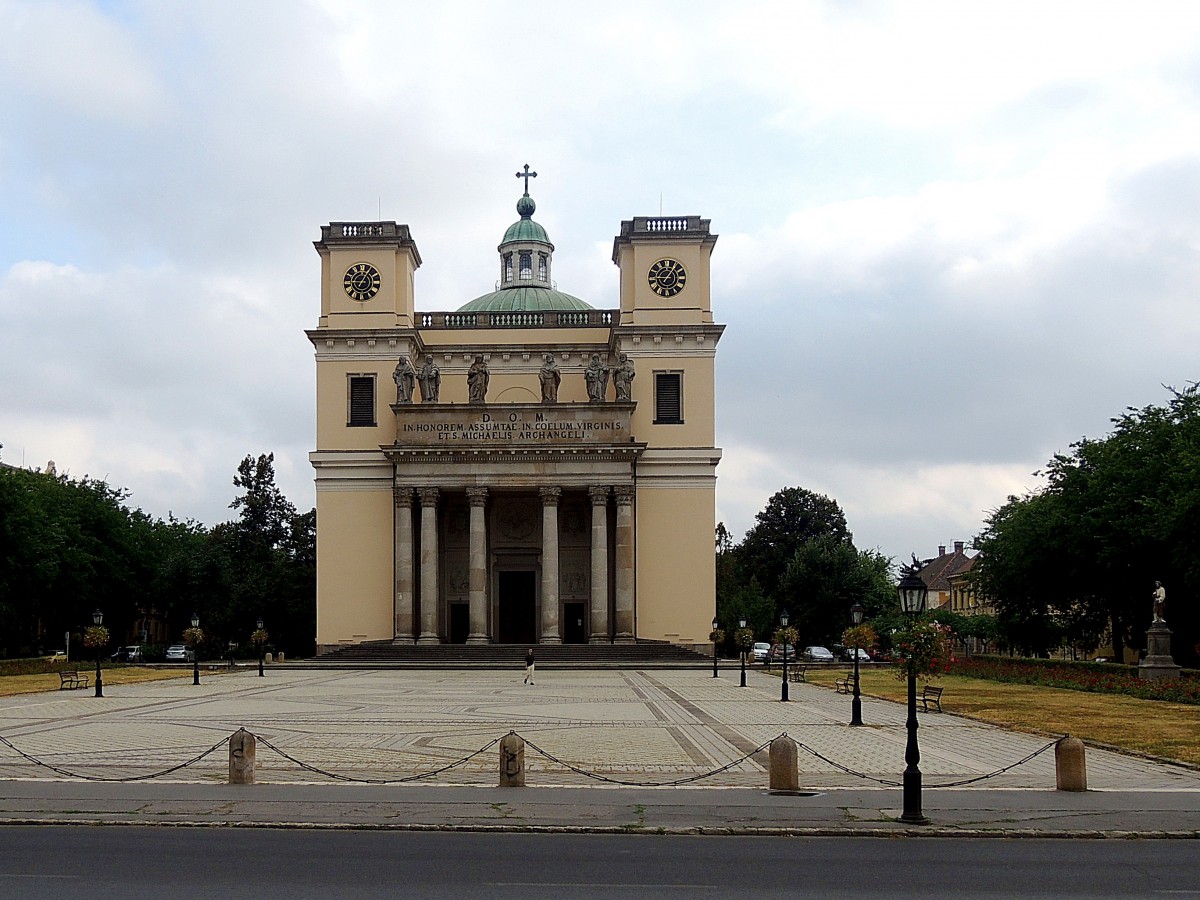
point(97, 861)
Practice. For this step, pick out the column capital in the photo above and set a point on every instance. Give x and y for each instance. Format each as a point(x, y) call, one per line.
point(599, 495)
point(403, 496)
point(477, 496)
point(428, 495)
point(624, 494)
point(550, 495)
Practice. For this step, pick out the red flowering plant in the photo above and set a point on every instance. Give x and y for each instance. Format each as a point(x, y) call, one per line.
point(923, 649)
point(95, 636)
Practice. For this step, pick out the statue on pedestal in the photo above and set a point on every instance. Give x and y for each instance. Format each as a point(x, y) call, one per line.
point(1160, 602)
point(550, 378)
point(405, 377)
point(623, 376)
point(430, 379)
point(477, 380)
point(596, 376)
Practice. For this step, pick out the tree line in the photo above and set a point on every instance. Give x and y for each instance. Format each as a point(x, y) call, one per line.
point(1075, 562)
point(70, 546)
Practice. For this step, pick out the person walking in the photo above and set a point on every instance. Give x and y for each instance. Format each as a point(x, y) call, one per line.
point(529, 666)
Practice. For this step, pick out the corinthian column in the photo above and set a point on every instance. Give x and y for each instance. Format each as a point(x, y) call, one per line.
point(624, 561)
point(550, 496)
point(599, 610)
point(404, 565)
point(477, 585)
point(429, 565)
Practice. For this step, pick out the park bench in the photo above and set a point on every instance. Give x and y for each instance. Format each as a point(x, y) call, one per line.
point(842, 685)
point(932, 695)
point(68, 681)
point(796, 672)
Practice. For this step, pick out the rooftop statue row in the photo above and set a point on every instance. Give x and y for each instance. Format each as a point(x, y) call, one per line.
point(596, 376)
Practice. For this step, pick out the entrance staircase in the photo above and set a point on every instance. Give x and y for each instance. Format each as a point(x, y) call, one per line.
point(640, 655)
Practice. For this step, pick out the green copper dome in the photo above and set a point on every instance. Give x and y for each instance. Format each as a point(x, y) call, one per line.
point(524, 298)
point(525, 229)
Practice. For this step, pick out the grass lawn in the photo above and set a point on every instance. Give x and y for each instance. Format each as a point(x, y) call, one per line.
point(49, 681)
point(1170, 730)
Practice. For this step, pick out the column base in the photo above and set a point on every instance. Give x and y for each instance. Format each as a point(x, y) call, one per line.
point(624, 639)
point(407, 640)
point(478, 639)
point(599, 639)
point(550, 639)
point(429, 639)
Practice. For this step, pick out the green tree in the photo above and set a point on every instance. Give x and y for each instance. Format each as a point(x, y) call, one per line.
point(825, 577)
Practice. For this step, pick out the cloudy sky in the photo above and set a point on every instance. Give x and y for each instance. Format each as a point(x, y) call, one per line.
point(954, 237)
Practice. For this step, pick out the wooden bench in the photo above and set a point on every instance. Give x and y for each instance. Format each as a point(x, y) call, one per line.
point(842, 685)
point(68, 681)
point(796, 672)
point(931, 695)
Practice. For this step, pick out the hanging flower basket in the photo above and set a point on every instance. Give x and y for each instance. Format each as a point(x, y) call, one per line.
point(862, 636)
point(95, 636)
point(787, 635)
point(259, 637)
point(717, 635)
point(193, 637)
point(744, 638)
point(924, 650)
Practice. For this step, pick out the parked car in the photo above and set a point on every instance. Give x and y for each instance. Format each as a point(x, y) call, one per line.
point(775, 654)
point(863, 655)
point(760, 651)
point(131, 653)
point(180, 653)
point(818, 654)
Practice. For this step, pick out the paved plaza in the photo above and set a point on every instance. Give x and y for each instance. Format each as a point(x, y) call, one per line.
point(644, 727)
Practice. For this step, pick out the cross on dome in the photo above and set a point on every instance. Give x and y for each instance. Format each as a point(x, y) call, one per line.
point(527, 175)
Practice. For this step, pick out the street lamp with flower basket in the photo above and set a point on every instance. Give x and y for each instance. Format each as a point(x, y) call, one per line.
point(260, 638)
point(913, 595)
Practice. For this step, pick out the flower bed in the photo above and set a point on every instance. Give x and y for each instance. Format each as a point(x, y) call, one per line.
point(1098, 678)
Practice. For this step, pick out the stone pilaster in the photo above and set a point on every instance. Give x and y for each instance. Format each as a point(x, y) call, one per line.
point(550, 497)
point(429, 566)
point(624, 565)
point(477, 587)
point(599, 605)
point(403, 551)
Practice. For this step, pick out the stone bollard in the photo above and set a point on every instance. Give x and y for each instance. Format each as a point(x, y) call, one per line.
point(241, 757)
point(279, 656)
point(784, 772)
point(268, 658)
point(512, 760)
point(1070, 765)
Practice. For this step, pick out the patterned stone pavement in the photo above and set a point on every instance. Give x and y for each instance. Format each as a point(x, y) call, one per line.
point(644, 727)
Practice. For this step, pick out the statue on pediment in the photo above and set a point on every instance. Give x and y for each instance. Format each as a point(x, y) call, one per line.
point(478, 377)
point(405, 377)
point(430, 379)
point(623, 376)
point(596, 376)
point(550, 378)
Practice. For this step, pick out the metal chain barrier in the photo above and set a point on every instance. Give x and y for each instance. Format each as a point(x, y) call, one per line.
point(319, 771)
point(82, 777)
point(596, 776)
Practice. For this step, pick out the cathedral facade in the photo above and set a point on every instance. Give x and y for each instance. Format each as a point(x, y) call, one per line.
point(525, 468)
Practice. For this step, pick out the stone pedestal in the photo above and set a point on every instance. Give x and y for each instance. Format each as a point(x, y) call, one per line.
point(1070, 765)
point(242, 746)
point(784, 774)
point(1158, 663)
point(512, 761)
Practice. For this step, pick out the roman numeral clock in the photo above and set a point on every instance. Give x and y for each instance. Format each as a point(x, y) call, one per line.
point(667, 277)
point(361, 282)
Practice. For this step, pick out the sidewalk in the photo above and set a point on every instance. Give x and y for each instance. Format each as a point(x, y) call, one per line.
point(633, 726)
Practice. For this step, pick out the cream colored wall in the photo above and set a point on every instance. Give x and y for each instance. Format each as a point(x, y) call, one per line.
point(640, 305)
point(676, 563)
point(354, 566)
point(391, 307)
point(333, 393)
point(699, 427)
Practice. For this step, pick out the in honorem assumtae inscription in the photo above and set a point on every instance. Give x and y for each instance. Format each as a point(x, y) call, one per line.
point(513, 426)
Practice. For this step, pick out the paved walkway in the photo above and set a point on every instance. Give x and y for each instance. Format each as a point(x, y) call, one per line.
point(633, 726)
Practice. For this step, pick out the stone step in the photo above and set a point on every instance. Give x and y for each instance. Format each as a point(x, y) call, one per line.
point(642, 654)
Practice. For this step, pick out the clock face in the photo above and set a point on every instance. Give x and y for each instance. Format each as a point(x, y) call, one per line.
point(667, 277)
point(361, 281)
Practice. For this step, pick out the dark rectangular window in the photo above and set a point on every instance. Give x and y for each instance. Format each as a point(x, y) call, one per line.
point(668, 398)
point(362, 401)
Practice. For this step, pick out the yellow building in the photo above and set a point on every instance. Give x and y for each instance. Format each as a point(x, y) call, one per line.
point(525, 469)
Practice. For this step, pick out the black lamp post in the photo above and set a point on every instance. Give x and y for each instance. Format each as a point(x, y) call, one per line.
point(716, 624)
point(856, 616)
point(260, 650)
point(195, 652)
point(783, 689)
point(98, 620)
point(913, 594)
point(741, 646)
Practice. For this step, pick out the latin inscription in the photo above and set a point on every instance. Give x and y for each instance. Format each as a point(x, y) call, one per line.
point(523, 427)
